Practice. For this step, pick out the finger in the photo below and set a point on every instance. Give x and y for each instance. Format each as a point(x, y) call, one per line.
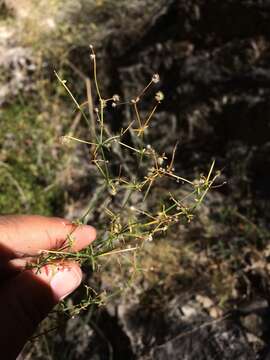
point(28, 298)
point(28, 234)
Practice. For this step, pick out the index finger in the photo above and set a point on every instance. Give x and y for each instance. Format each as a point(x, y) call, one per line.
point(27, 235)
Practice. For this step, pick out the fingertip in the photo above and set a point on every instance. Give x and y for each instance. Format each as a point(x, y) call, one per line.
point(66, 280)
point(63, 278)
point(83, 236)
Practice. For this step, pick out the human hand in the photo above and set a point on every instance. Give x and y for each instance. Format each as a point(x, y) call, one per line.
point(26, 296)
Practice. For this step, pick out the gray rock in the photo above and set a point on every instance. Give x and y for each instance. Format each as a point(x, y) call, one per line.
point(219, 341)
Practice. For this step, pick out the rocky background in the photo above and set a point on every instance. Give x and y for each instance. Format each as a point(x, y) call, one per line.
point(206, 291)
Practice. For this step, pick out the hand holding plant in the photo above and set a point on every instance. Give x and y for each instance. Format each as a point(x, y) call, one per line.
point(27, 296)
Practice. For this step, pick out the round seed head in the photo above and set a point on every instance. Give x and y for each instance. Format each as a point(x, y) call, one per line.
point(155, 78)
point(64, 140)
point(159, 96)
point(116, 98)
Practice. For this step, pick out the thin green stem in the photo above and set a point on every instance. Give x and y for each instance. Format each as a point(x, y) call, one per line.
point(63, 82)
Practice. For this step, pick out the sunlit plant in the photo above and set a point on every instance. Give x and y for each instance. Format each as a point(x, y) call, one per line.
point(129, 169)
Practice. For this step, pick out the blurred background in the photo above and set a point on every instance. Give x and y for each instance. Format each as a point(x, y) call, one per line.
point(204, 289)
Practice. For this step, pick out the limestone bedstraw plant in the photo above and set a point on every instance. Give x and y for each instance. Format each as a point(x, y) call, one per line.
point(129, 170)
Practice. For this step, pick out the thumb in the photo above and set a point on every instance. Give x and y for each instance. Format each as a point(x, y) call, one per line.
point(26, 300)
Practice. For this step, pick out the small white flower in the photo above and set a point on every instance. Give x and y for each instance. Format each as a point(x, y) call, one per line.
point(64, 140)
point(134, 101)
point(155, 78)
point(116, 98)
point(150, 238)
point(160, 161)
point(159, 96)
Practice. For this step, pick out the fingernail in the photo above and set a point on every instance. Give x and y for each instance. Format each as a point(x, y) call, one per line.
point(65, 281)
